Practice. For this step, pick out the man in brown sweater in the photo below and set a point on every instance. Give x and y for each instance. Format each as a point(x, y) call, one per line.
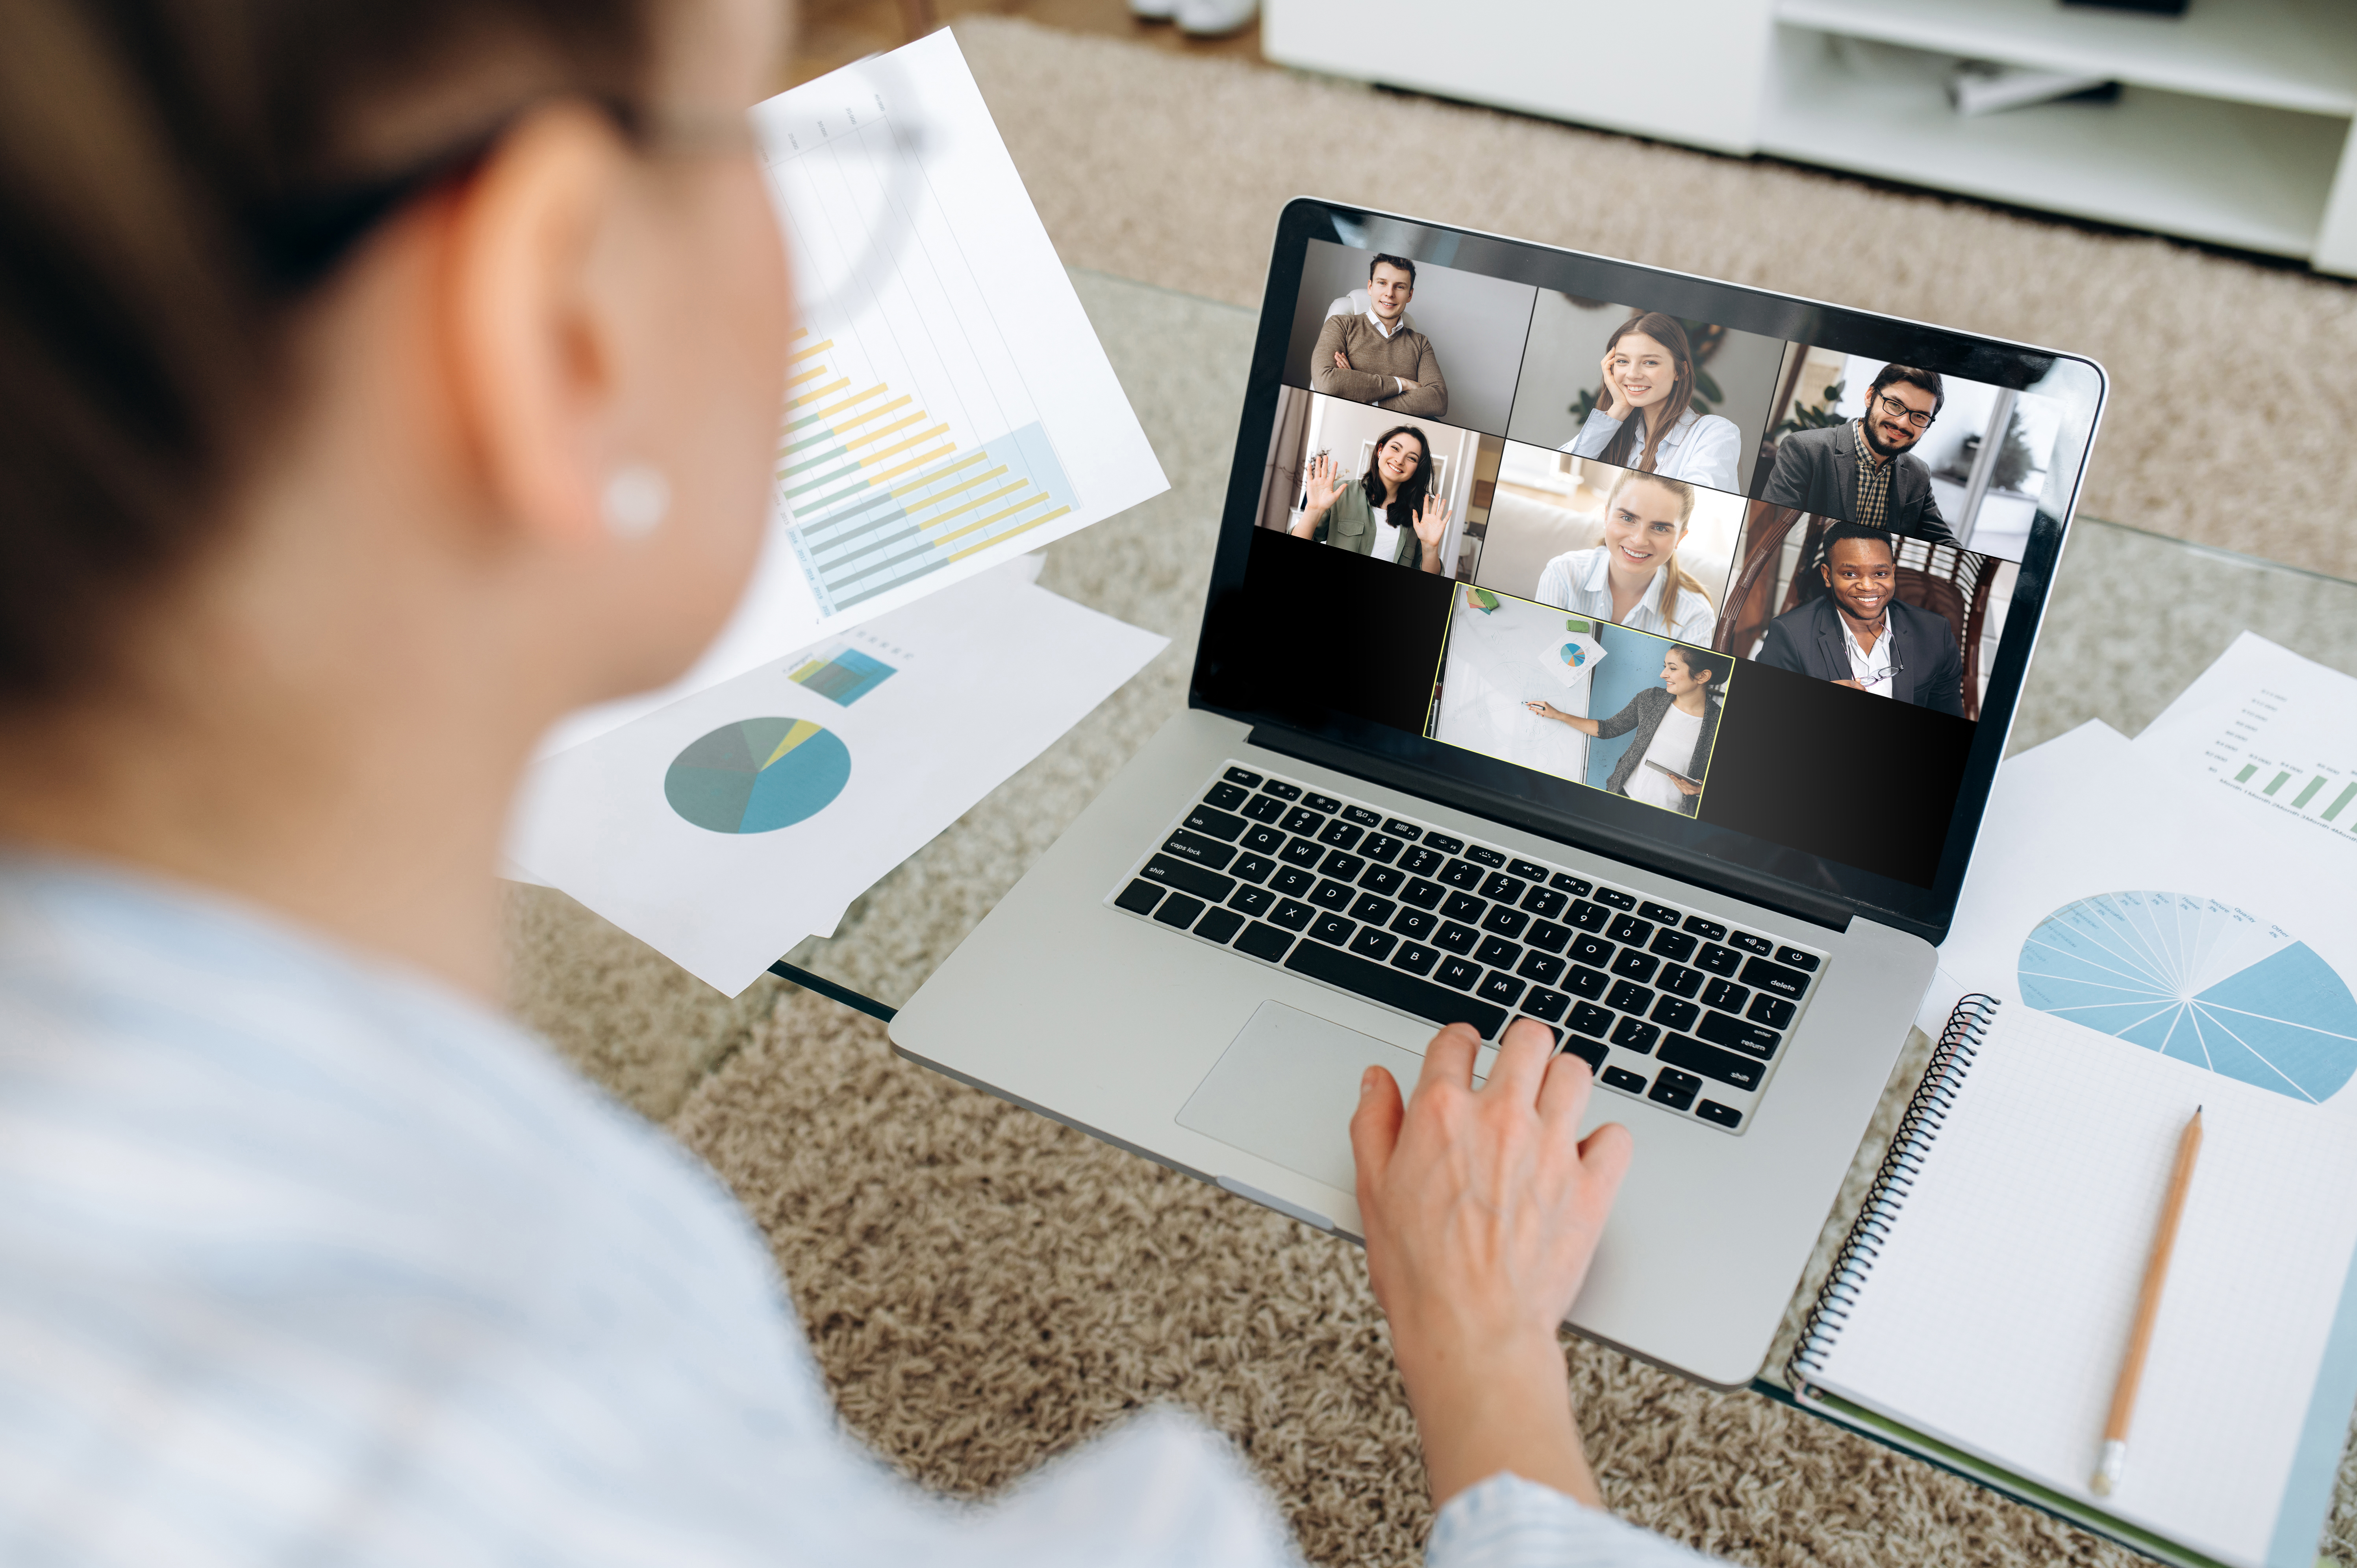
point(1377, 358)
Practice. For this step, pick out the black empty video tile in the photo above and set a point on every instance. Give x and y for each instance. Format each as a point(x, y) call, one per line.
point(1544, 1004)
point(1226, 796)
point(1457, 972)
point(1796, 959)
point(1762, 975)
point(1457, 938)
point(1140, 897)
point(1635, 1035)
point(1772, 1011)
point(1742, 1072)
point(1332, 928)
point(1219, 925)
point(1622, 1078)
point(1374, 944)
point(1416, 958)
point(1179, 910)
point(1719, 959)
point(1282, 791)
point(1725, 1116)
point(1675, 1088)
point(1264, 941)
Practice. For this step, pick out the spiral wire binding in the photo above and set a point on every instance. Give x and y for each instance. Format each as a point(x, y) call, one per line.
point(1927, 1112)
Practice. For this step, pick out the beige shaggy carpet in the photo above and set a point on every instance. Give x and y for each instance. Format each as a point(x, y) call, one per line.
point(984, 1288)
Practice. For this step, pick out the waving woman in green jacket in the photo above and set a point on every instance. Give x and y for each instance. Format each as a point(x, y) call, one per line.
point(1397, 490)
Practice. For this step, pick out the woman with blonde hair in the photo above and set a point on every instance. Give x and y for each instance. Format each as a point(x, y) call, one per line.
point(1634, 578)
point(1649, 368)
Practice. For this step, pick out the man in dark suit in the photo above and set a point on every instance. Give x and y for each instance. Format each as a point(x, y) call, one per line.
point(1861, 637)
point(1862, 471)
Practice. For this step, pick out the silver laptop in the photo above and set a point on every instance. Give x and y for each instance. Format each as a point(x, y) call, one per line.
point(1589, 643)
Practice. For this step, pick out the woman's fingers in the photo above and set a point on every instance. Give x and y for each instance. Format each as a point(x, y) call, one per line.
point(1448, 1059)
point(1605, 1154)
point(1374, 1130)
point(1522, 1060)
point(1563, 1098)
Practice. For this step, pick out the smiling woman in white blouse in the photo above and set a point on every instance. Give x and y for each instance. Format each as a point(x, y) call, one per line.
point(1644, 417)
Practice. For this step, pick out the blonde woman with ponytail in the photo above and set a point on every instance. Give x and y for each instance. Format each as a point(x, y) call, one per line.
point(1634, 578)
point(1649, 369)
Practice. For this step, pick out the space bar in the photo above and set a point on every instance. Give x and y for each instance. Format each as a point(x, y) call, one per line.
point(1393, 989)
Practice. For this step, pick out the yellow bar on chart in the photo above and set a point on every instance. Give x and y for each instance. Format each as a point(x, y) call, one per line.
point(969, 460)
point(937, 520)
point(856, 441)
point(878, 411)
point(833, 408)
point(1031, 501)
point(816, 392)
point(1011, 532)
point(810, 375)
point(806, 353)
point(895, 450)
point(918, 461)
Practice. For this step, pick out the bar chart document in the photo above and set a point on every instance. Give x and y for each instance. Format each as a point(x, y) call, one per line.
point(2276, 735)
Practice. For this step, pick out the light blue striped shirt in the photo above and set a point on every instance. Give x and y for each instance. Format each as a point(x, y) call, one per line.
point(305, 1260)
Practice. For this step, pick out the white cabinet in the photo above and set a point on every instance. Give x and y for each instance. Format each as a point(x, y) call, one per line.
point(2233, 124)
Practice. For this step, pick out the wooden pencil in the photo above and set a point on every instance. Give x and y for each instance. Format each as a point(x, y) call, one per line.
point(2156, 1275)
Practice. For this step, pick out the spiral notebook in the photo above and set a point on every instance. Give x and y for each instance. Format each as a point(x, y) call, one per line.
point(1980, 1308)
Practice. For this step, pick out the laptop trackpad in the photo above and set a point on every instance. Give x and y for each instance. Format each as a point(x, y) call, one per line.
point(1285, 1088)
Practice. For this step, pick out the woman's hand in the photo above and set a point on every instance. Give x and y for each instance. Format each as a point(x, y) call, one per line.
point(1431, 530)
point(1685, 786)
point(1614, 402)
point(1322, 486)
point(1482, 1209)
point(1549, 711)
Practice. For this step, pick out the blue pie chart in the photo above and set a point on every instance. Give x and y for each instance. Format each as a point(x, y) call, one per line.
point(756, 775)
point(2201, 980)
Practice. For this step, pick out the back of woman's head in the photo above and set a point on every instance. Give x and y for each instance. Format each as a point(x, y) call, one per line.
point(176, 178)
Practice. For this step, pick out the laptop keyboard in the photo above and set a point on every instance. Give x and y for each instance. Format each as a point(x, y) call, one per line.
point(1665, 1003)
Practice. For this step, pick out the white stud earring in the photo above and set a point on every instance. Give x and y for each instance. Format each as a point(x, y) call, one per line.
point(637, 499)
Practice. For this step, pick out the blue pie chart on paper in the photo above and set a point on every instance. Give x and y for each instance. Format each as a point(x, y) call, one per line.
point(756, 775)
point(2200, 980)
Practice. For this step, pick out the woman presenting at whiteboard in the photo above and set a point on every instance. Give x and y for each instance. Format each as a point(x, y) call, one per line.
point(1644, 417)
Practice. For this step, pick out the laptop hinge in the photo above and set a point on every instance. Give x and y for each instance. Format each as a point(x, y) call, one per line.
point(1818, 909)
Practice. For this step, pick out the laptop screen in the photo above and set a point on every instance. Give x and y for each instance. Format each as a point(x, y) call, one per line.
point(1712, 578)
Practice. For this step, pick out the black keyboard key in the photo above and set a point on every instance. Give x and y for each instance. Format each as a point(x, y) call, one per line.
point(1374, 911)
point(1591, 949)
point(1331, 894)
point(1617, 900)
point(1139, 898)
point(1635, 1035)
point(1345, 866)
point(1671, 1012)
point(1631, 930)
point(1416, 958)
point(1794, 957)
point(1282, 791)
point(1725, 995)
point(1226, 796)
point(1491, 857)
point(1721, 1030)
point(1364, 817)
point(1545, 968)
point(1675, 1088)
point(1725, 1116)
point(1253, 901)
point(1585, 982)
point(1565, 882)
point(1502, 988)
point(1742, 1072)
point(1503, 888)
point(1586, 1018)
point(1545, 902)
point(1422, 861)
point(1187, 878)
point(1395, 989)
point(1218, 926)
point(1528, 870)
point(1290, 915)
point(1264, 943)
point(1400, 829)
point(1504, 921)
point(1252, 868)
point(1262, 839)
point(1709, 930)
point(1772, 1011)
point(1659, 914)
point(1588, 917)
point(1417, 925)
point(1457, 972)
point(1622, 1078)
point(1200, 850)
point(1301, 852)
point(1264, 808)
point(1332, 928)
point(1179, 910)
point(1672, 944)
point(1775, 979)
point(1222, 825)
point(1383, 879)
point(1326, 803)
point(1751, 944)
point(1630, 997)
point(1635, 965)
point(1719, 959)
point(1455, 938)
point(1341, 834)
point(1302, 820)
point(1499, 953)
point(1243, 776)
point(1679, 981)
point(1546, 934)
point(1461, 874)
point(1293, 881)
point(1592, 1052)
point(1545, 1006)
point(1381, 848)
point(1463, 907)
point(1445, 843)
point(1374, 944)
point(1422, 894)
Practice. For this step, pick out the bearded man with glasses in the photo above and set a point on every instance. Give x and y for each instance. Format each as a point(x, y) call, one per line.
point(1862, 472)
